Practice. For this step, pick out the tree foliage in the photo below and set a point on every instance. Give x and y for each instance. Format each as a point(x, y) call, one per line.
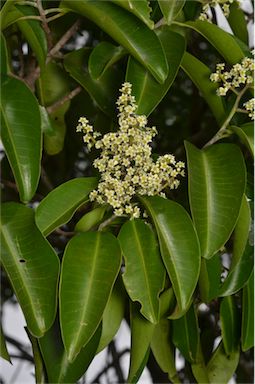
point(181, 275)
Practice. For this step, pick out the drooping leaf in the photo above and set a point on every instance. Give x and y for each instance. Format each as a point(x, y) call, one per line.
point(90, 219)
point(242, 255)
point(54, 140)
point(59, 369)
point(147, 91)
point(199, 73)
point(246, 135)
point(3, 349)
point(21, 134)
point(31, 265)
point(144, 271)
point(248, 315)
point(37, 357)
point(141, 335)
point(210, 278)
point(33, 33)
point(171, 9)
point(87, 278)
point(217, 181)
point(59, 205)
point(102, 57)
point(221, 367)
point(178, 246)
point(140, 8)
point(4, 57)
point(237, 22)
point(223, 41)
point(104, 90)
point(113, 315)
point(163, 349)
point(186, 335)
point(46, 124)
point(230, 324)
point(167, 303)
point(127, 30)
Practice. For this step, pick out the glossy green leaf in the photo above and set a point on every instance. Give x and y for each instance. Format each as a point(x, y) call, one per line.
point(59, 369)
point(3, 349)
point(230, 324)
point(102, 57)
point(141, 335)
point(246, 134)
point(4, 57)
point(33, 33)
point(147, 91)
point(104, 90)
point(140, 8)
point(90, 219)
point(217, 180)
point(45, 121)
point(38, 361)
point(242, 256)
point(58, 207)
point(163, 349)
point(210, 278)
point(127, 30)
point(248, 314)
point(167, 303)
point(223, 41)
point(186, 335)
point(178, 245)
point(171, 9)
point(54, 140)
point(8, 14)
point(237, 22)
point(31, 265)
point(21, 134)
point(199, 73)
point(144, 271)
point(89, 272)
point(221, 367)
point(113, 315)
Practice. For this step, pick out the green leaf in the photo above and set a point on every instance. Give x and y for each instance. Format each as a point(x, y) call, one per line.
point(221, 367)
point(38, 362)
point(141, 334)
point(59, 369)
point(199, 73)
point(178, 245)
point(31, 265)
point(113, 315)
point(4, 56)
point(58, 207)
point(210, 278)
point(140, 8)
point(45, 121)
point(33, 33)
point(223, 41)
point(54, 140)
point(127, 30)
point(21, 134)
point(3, 349)
point(163, 349)
point(246, 135)
point(144, 274)
point(102, 57)
point(248, 314)
point(217, 180)
point(104, 90)
point(87, 278)
point(230, 324)
point(171, 9)
point(242, 255)
point(147, 91)
point(90, 219)
point(237, 22)
point(167, 303)
point(186, 335)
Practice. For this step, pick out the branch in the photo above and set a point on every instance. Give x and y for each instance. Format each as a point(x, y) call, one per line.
point(64, 39)
point(44, 23)
point(106, 222)
point(52, 108)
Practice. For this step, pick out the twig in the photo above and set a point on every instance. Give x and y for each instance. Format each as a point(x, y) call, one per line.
point(71, 31)
point(106, 222)
point(44, 23)
point(116, 361)
point(159, 23)
point(223, 128)
point(70, 96)
point(64, 233)
point(20, 347)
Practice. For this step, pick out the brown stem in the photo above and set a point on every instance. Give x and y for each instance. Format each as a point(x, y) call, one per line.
point(52, 108)
point(44, 23)
point(67, 36)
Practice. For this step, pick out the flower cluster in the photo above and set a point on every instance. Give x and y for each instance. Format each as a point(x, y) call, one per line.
point(240, 74)
point(125, 163)
point(249, 106)
point(225, 4)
